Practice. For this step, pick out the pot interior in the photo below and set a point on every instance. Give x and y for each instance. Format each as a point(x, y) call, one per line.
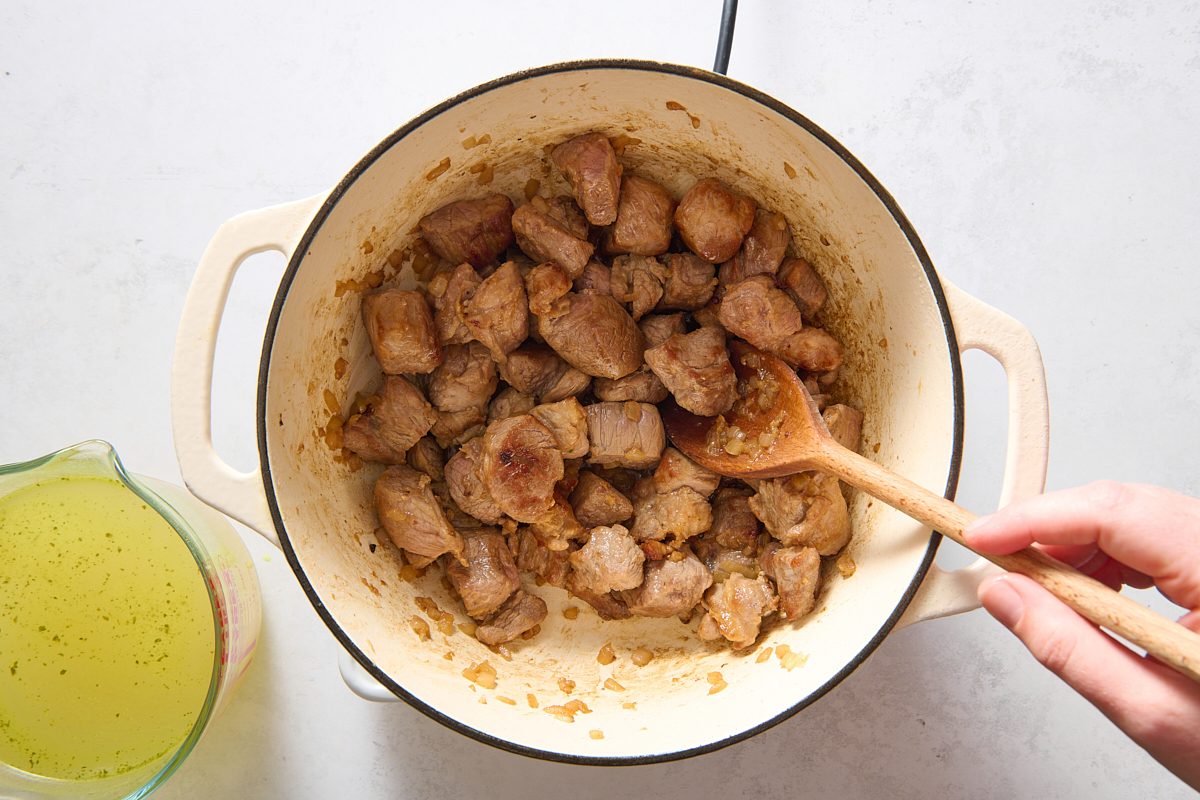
point(674, 125)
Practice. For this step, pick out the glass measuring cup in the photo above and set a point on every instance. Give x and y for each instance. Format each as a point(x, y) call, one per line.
point(230, 588)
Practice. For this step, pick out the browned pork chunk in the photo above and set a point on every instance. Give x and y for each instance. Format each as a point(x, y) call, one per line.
point(597, 502)
point(804, 509)
point(845, 425)
point(448, 291)
point(625, 434)
point(400, 326)
point(695, 368)
point(641, 386)
point(638, 281)
point(410, 513)
point(679, 513)
point(558, 526)
point(590, 165)
point(519, 613)
point(497, 313)
point(610, 561)
point(456, 427)
point(425, 456)
point(567, 423)
point(543, 238)
point(509, 402)
point(596, 278)
point(545, 285)
point(466, 378)
point(758, 312)
point(724, 561)
point(595, 335)
point(477, 231)
point(797, 575)
point(532, 368)
point(736, 607)
point(392, 425)
point(690, 282)
point(644, 216)
point(657, 328)
point(734, 524)
point(669, 587)
point(676, 470)
point(610, 605)
point(762, 250)
point(569, 384)
point(811, 349)
point(487, 576)
point(803, 285)
point(465, 483)
point(521, 463)
point(712, 220)
point(563, 210)
point(551, 566)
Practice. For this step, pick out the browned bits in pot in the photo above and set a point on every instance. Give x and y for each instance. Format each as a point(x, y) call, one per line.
point(532, 700)
point(339, 367)
point(448, 655)
point(845, 565)
point(437, 171)
point(612, 685)
point(629, 706)
point(420, 627)
point(789, 170)
point(485, 173)
point(483, 674)
point(332, 433)
point(764, 656)
point(606, 654)
point(788, 659)
point(566, 685)
point(571, 612)
point(619, 143)
point(471, 141)
point(717, 682)
point(674, 106)
point(531, 188)
point(560, 713)
point(506, 700)
point(596, 734)
point(532, 632)
point(641, 656)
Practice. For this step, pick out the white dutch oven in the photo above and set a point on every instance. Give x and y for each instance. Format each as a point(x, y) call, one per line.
point(904, 329)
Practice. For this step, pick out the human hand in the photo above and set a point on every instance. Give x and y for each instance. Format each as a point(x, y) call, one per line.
point(1118, 533)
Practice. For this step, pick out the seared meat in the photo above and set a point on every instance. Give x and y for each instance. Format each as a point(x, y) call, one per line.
point(496, 314)
point(845, 425)
point(723, 561)
point(610, 561)
point(520, 465)
point(477, 231)
point(811, 349)
point(518, 614)
point(488, 576)
point(532, 368)
point(804, 509)
point(644, 216)
point(448, 291)
point(557, 527)
point(545, 285)
point(456, 427)
point(797, 575)
point(736, 607)
point(709, 316)
point(657, 328)
point(669, 587)
point(676, 470)
point(642, 386)
point(569, 384)
point(590, 165)
point(690, 282)
point(597, 502)
point(609, 605)
point(466, 378)
point(401, 329)
point(595, 335)
point(734, 524)
point(465, 483)
point(625, 434)
point(713, 220)
point(638, 280)
point(425, 456)
point(567, 424)
point(803, 285)
point(410, 513)
point(391, 425)
point(551, 566)
point(680, 513)
point(760, 313)
point(510, 402)
point(596, 278)
point(695, 368)
point(563, 210)
point(762, 250)
point(543, 238)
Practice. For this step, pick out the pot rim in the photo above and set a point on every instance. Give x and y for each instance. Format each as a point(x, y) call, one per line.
point(574, 66)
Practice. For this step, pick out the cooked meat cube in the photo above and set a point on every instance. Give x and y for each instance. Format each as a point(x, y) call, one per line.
point(448, 291)
point(551, 566)
point(609, 605)
point(797, 575)
point(590, 165)
point(466, 378)
point(669, 587)
point(477, 231)
point(804, 509)
point(690, 282)
point(571, 470)
point(695, 368)
point(401, 329)
point(642, 386)
point(519, 613)
point(644, 216)
point(487, 576)
point(625, 434)
point(845, 425)
point(425, 456)
point(736, 608)
point(569, 384)
point(558, 526)
point(543, 238)
point(392, 424)
point(497, 313)
point(595, 335)
point(610, 561)
point(811, 349)
point(596, 278)
point(532, 368)
point(657, 328)
point(676, 470)
point(762, 250)
point(680, 513)
point(709, 316)
point(510, 402)
point(758, 312)
point(465, 483)
point(545, 285)
point(723, 561)
point(521, 463)
point(456, 427)
point(734, 524)
point(567, 423)
point(712, 220)
point(638, 280)
point(597, 502)
point(460, 520)
point(803, 285)
point(563, 210)
point(410, 513)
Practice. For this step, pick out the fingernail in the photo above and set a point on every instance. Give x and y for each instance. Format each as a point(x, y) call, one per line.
point(1002, 601)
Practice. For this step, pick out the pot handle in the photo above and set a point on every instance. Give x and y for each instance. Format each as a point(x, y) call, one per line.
point(238, 494)
point(979, 326)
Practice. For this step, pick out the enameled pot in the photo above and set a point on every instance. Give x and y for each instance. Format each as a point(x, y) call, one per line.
point(903, 327)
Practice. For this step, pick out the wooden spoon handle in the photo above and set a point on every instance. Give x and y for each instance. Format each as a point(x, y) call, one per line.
point(1168, 641)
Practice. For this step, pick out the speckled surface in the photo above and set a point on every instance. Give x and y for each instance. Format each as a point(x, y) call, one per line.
point(1044, 152)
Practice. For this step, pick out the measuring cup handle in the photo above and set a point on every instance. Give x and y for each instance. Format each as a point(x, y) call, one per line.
point(238, 494)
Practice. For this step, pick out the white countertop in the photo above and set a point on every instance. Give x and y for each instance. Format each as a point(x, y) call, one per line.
point(1045, 152)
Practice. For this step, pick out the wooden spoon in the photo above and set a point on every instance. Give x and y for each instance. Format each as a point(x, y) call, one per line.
point(786, 434)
